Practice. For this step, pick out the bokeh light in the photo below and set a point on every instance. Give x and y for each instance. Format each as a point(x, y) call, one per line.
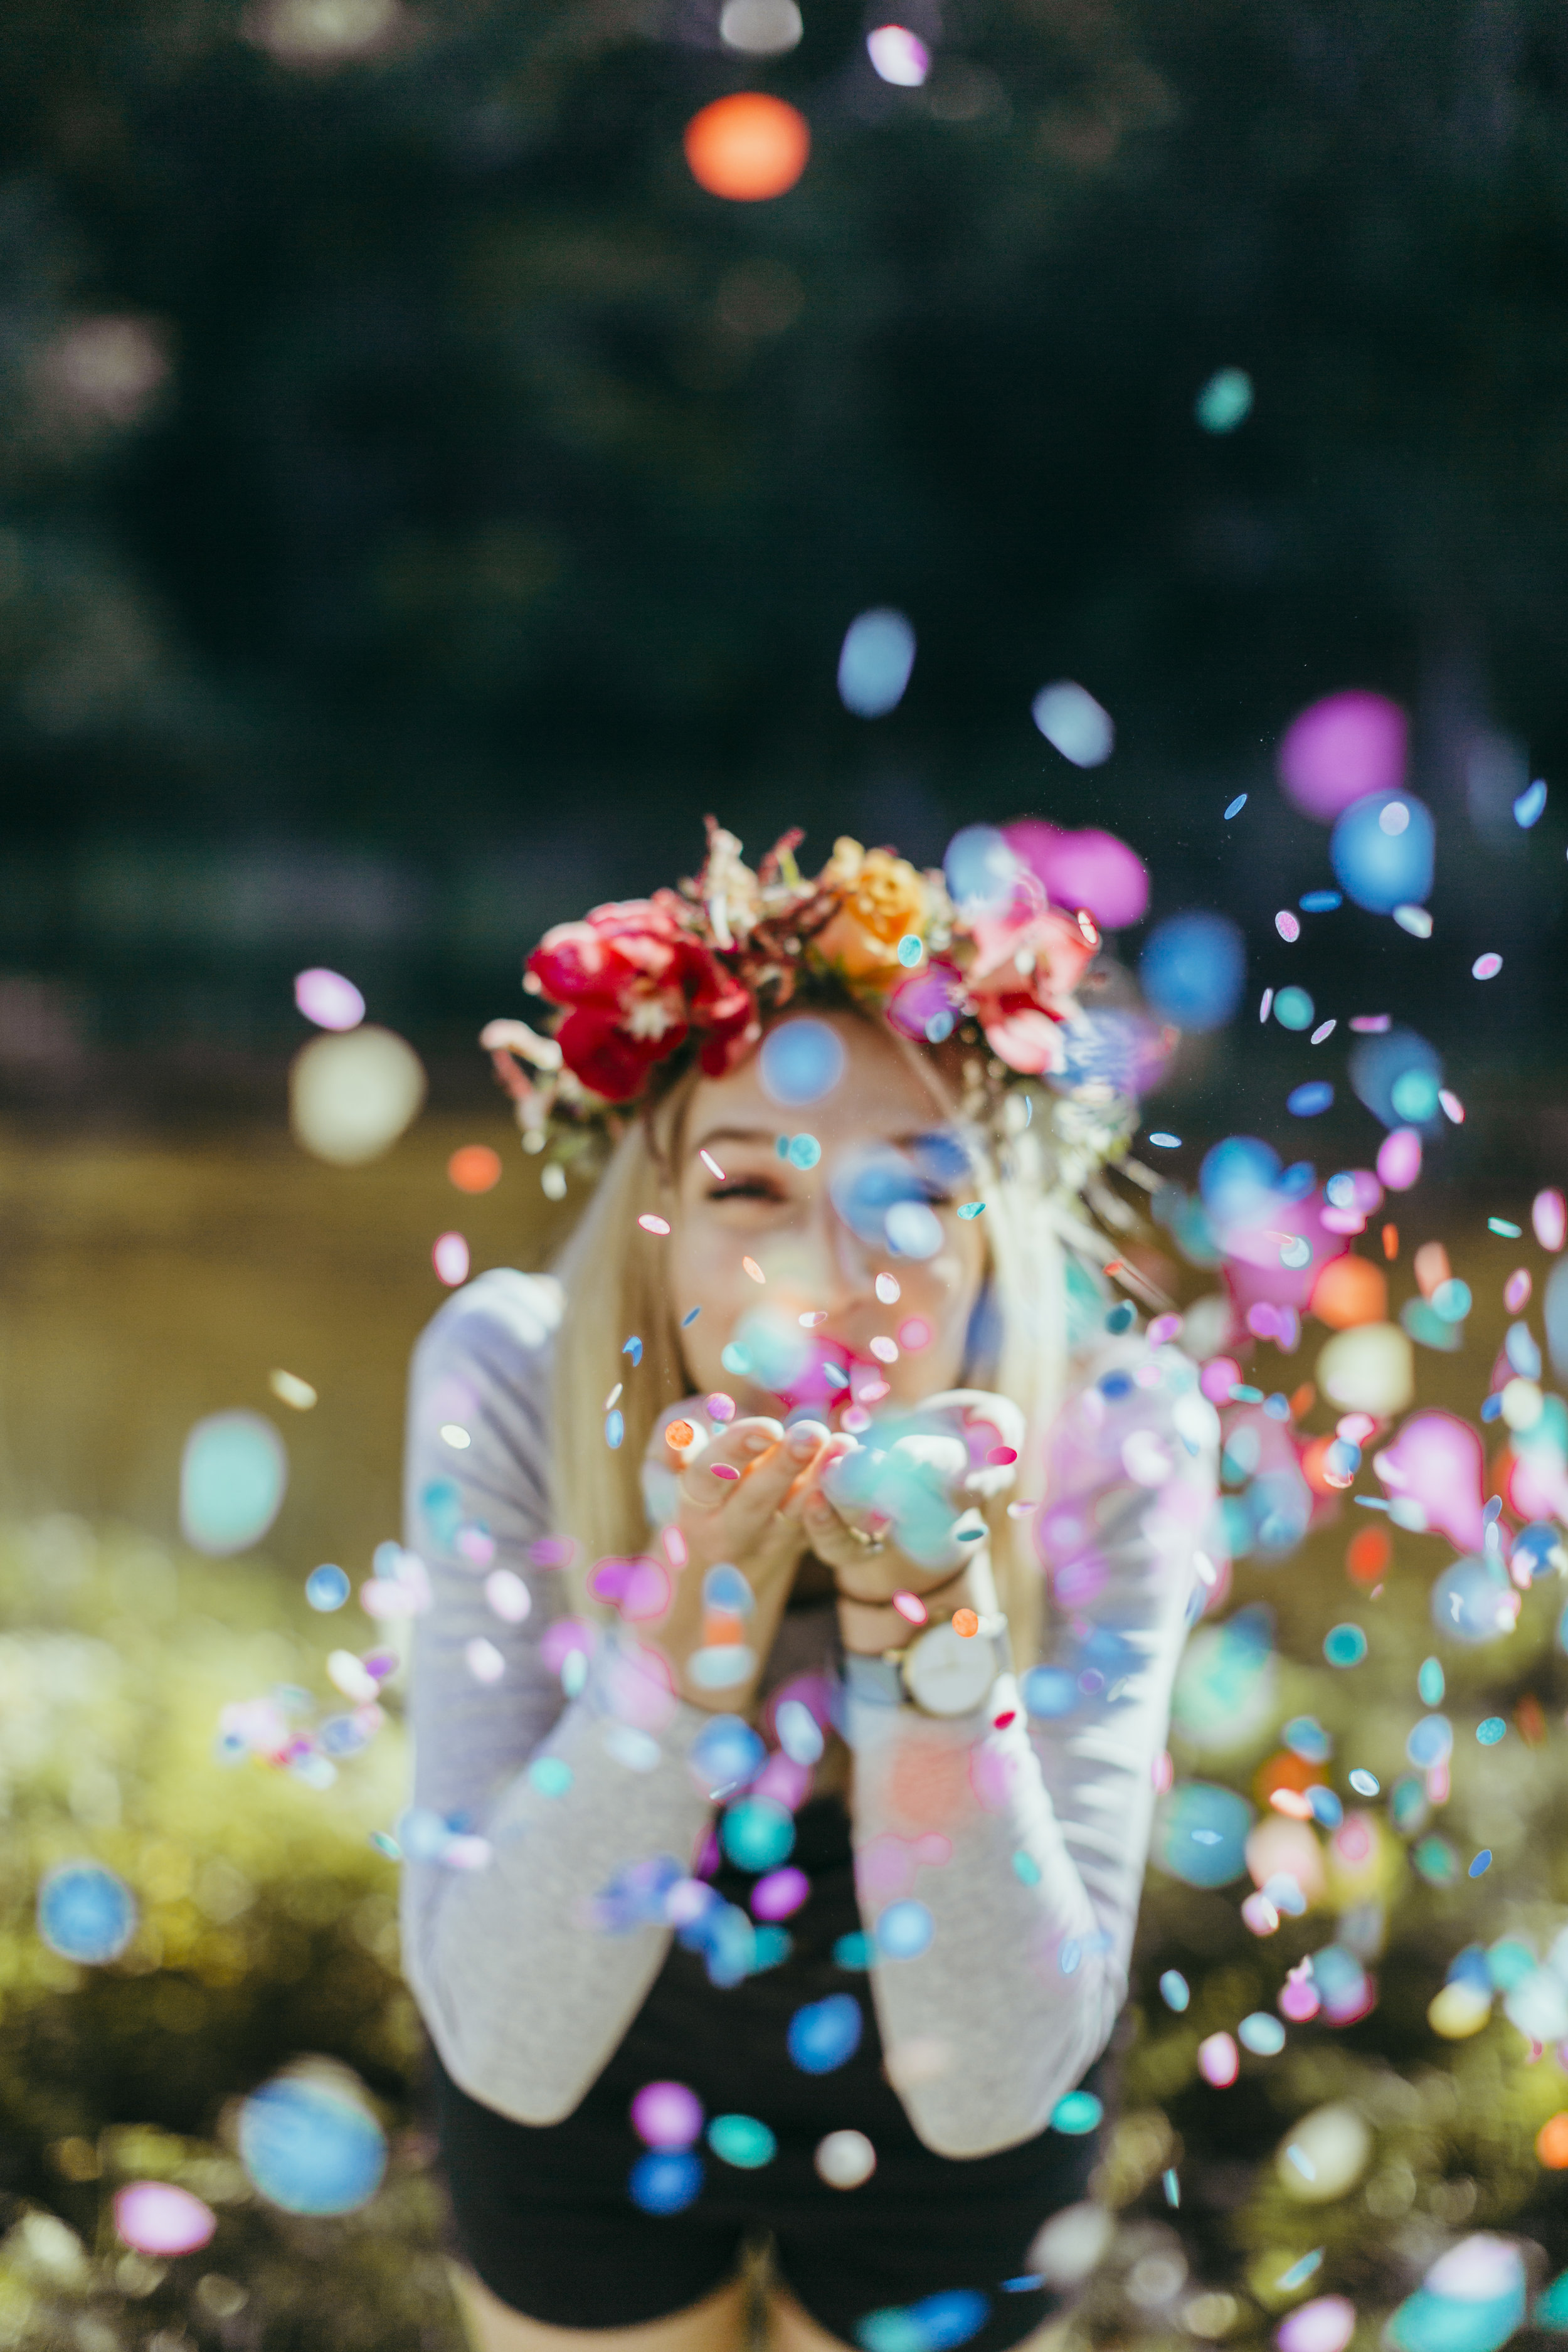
point(350, 1097)
point(899, 55)
point(761, 28)
point(1381, 849)
point(234, 1473)
point(85, 1914)
point(1074, 724)
point(1089, 868)
point(328, 998)
point(159, 2218)
point(748, 147)
point(1193, 969)
point(1341, 750)
point(875, 662)
point(311, 2141)
point(801, 1061)
point(1225, 401)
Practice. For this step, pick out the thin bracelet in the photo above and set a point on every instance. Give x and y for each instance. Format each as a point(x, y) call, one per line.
point(885, 1600)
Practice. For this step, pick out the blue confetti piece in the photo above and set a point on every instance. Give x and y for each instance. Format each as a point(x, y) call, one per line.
point(1236, 805)
point(1483, 1862)
point(1172, 2187)
point(688, 1319)
point(615, 1429)
point(633, 1349)
point(1320, 902)
point(326, 1588)
point(1076, 2113)
point(971, 1208)
point(1504, 1225)
point(1529, 806)
point(1300, 2273)
point(1307, 1102)
point(1490, 1732)
point(1166, 1142)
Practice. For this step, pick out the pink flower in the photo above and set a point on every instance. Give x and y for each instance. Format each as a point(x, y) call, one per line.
point(635, 982)
point(1027, 960)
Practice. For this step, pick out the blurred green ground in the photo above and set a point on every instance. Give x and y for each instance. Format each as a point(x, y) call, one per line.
point(144, 1283)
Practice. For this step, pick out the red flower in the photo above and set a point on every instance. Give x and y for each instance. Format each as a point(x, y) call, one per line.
point(634, 982)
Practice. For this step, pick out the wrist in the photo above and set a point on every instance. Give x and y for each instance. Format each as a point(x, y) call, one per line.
point(872, 1628)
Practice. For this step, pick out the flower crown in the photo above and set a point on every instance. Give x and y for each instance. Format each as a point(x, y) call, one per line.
point(646, 987)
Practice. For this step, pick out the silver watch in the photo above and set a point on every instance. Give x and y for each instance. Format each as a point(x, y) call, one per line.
point(940, 1672)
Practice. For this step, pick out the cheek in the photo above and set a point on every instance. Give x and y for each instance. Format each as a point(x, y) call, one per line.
point(939, 1292)
point(709, 1279)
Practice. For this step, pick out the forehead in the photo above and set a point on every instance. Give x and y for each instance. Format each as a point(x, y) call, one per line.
point(878, 1088)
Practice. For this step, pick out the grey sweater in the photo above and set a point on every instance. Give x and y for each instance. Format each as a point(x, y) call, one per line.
point(529, 1804)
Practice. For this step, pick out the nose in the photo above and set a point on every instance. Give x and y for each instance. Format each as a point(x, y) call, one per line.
point(833, 1271)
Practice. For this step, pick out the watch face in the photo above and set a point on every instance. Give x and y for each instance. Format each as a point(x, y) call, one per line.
point(948, 1674)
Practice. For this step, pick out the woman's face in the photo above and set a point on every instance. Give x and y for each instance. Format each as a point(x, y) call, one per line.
point(820, 1234)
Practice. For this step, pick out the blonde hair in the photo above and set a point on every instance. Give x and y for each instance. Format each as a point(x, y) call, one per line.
point(612, 1273)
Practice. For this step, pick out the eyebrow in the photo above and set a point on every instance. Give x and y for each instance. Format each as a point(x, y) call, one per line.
point(764, 1135)
point(769, 1136)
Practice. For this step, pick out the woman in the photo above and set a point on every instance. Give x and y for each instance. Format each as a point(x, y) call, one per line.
point(742, 1894)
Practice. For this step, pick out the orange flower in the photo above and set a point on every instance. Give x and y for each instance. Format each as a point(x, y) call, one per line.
point(882, 899)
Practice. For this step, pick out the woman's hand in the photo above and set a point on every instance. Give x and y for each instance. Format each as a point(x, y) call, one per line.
point(740, 1498)
point(903, 1517)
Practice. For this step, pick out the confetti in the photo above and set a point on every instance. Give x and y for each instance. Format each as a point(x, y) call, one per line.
point(289, 1390)
point(748, 1266)
point(652, 1225)
point(1288, 925)
point(1481, 1864)
point(1235, 807)
point(712, 1164)
point(474, 1167)
point(1486, 967)
point(1163, 1142)
point(971, 1208)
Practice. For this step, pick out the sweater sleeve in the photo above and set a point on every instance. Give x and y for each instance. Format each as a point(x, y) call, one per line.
point(544, 1834)
point(1014, 1862)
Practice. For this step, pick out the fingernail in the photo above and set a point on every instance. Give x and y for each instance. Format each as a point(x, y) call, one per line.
point(817, 1508)
point(805, 1438)
point(757, 1441)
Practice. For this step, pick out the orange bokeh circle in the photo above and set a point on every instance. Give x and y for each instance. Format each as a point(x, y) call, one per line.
point(748, 147)
point(474, 1167)
point(1368, 1555)
point(1551, 2143)
point(1350, 1290)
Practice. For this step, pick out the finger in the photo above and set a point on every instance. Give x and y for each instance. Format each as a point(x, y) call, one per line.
point(709, 1482)
point(769, 1481)
point(833, 1448)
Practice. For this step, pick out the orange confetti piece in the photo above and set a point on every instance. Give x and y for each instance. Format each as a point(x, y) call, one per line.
point(1391, 1242)
point(1368, 1555)
point(1551, 2143)
point(966, 1623)
point(1302, 1399)
point(754, 1269)
point(679, 1434)
point(474, 1167)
